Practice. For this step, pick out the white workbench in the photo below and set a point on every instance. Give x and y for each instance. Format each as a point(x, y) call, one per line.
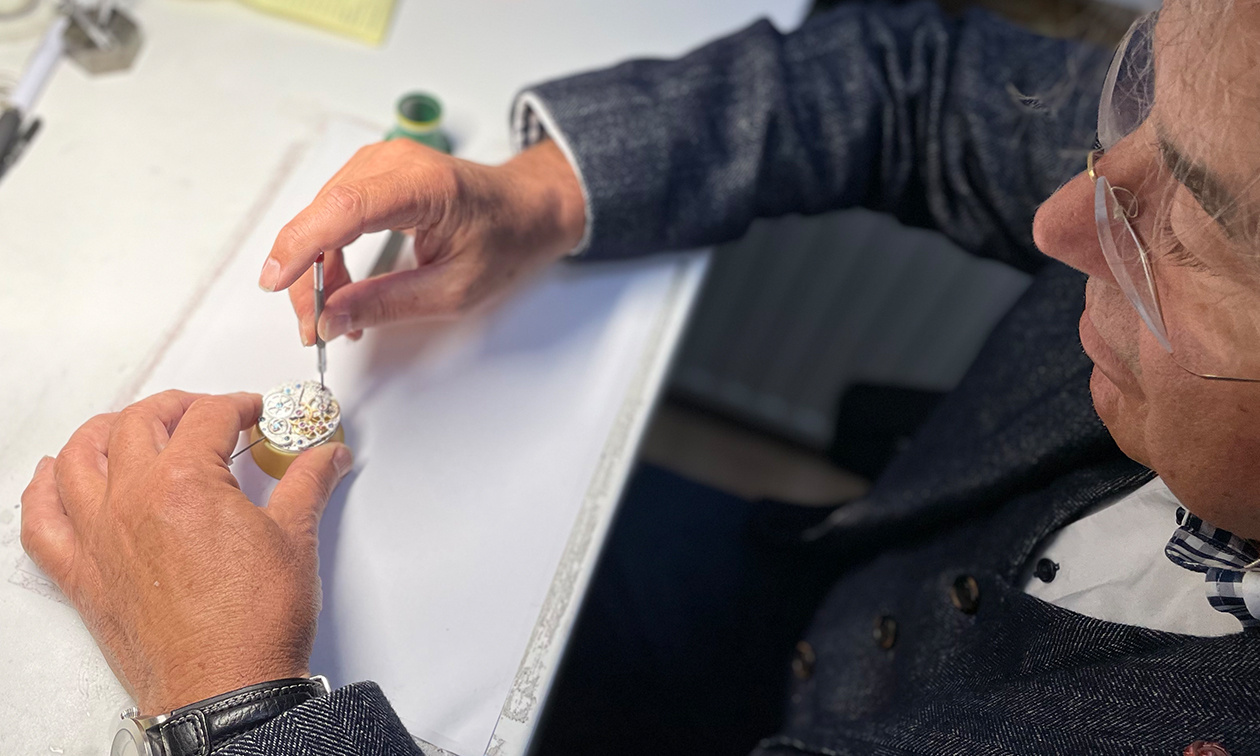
point(140, 184)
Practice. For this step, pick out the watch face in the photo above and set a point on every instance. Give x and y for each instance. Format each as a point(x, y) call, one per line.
point(298, 415)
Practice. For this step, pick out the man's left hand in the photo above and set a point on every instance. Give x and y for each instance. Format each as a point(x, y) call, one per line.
point(189, 589)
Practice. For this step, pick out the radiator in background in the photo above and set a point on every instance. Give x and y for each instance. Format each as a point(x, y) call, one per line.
point(802, 308)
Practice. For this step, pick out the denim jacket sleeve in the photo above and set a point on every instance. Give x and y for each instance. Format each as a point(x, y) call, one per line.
point(355, 720)
point(960, 124)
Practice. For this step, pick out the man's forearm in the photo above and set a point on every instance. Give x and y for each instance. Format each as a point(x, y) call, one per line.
point(896, 108)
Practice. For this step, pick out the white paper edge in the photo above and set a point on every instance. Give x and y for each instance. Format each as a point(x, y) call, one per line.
point(523, 708)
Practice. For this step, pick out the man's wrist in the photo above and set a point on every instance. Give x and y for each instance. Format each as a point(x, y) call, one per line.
point(553, 183)
point(190, 687)
point(202, 726)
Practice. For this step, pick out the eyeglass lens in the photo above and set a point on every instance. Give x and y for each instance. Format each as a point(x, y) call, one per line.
point(1210, 323)
point(1125, 257)
point(1129, 89)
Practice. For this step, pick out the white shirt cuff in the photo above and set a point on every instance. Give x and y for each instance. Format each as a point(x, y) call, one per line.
point(1250, 589)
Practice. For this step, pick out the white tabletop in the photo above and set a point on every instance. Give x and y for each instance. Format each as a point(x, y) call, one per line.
point(140, 184)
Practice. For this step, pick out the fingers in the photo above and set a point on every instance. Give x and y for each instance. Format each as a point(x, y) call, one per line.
point(415, 198)
point(143, 430)
point(299, 498)
point(82, 466)
point(302, 294)
point(429, 292)
point(47, 534)
point(213, 425)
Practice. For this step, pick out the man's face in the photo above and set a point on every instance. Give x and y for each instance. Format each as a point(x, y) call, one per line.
point(1200, 144)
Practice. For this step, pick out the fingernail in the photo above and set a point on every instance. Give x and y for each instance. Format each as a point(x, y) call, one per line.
point(335, 326)
point(343, 460)
point(270, 275)
point(42, 463)
point(306, 340)
point(355, 335)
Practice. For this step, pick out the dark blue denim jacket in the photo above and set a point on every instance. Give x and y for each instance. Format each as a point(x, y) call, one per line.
point(962, 125)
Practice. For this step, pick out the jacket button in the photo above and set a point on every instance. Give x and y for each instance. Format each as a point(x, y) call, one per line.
point(1045, 570)
point(965, 593)
point(885, 631)
point(1204, 748)
point(803, 661)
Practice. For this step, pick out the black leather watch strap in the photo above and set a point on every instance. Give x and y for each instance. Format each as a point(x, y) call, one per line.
point(197, 729)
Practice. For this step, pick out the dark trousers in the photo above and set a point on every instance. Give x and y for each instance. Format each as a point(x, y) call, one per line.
point(685, 640)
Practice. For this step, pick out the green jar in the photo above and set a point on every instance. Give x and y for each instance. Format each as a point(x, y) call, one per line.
point(419, 118)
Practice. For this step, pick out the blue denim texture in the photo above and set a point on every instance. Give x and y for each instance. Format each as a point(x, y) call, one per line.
point(963, 125)
point(1012, 455)
point(959, 125)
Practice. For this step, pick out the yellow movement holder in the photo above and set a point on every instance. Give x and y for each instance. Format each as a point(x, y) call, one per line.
point(275, 461)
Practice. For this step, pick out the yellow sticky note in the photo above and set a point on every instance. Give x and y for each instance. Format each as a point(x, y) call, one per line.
point(364, 20)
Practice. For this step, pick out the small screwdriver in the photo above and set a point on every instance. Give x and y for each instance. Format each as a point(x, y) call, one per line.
point(319, 309)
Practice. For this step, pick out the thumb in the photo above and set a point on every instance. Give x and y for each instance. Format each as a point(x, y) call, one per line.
point(299, 498)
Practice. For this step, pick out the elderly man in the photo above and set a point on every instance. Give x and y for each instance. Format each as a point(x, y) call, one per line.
point(1022, 580)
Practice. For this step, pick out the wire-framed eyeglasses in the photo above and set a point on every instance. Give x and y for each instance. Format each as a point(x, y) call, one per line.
point(1209, 324)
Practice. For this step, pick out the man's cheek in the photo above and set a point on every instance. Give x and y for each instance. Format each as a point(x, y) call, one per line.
point(1116, 321)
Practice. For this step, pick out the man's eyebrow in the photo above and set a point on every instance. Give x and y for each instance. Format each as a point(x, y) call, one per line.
point(1206, 187)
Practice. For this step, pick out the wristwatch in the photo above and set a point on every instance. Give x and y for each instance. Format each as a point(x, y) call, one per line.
point(197, 729)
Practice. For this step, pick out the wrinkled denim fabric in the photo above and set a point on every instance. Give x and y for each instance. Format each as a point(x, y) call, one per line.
point(1012, 455)
point(959, 125)
point(963, 125)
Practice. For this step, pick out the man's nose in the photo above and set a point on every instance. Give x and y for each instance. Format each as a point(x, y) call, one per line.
point(1064, 227)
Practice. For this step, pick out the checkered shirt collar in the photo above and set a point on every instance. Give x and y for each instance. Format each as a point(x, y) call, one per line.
point(1225, 560)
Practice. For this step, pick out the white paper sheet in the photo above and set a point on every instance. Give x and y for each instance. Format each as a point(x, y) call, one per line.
point(475, 444)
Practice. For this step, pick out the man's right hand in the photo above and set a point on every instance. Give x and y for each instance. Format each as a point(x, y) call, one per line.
point(477, 229)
